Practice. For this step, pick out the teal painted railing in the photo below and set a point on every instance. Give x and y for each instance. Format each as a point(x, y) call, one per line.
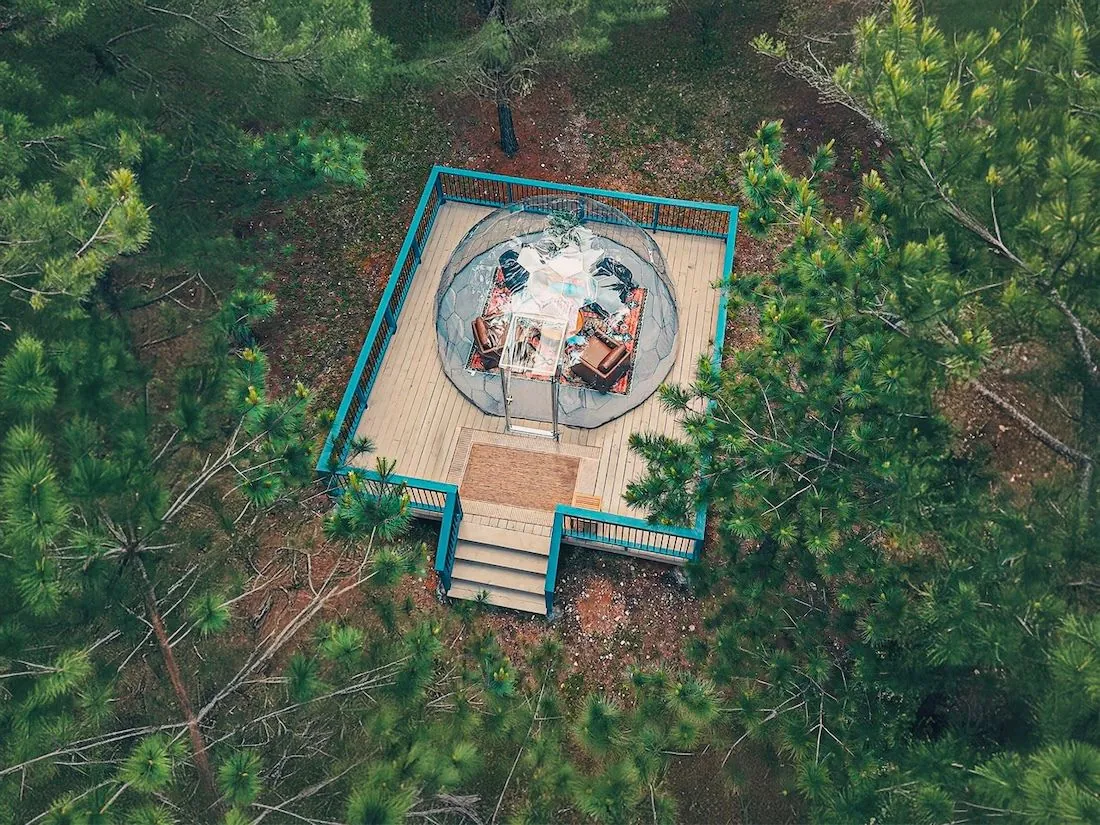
point(552, 562)
point(448, 538)
point(666, 214)
point(426, 498)
point(623, 534)
point(627, 533)
point(382, 329)
point(436, 499)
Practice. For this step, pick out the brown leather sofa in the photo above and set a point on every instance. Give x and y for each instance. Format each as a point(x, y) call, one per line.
point(489, 339)
point(603, 362)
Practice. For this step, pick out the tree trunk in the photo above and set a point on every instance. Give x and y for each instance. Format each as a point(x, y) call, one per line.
point(198, 744)
point(509, 144)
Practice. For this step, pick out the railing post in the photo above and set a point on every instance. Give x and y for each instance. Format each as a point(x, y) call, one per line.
point(552, 562)
point(656, 216)
point(508, 192)
point(448, 538)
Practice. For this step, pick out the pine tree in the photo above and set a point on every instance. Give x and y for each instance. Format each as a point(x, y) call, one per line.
point(994, 145)
point(881, 615)
point(500, 60)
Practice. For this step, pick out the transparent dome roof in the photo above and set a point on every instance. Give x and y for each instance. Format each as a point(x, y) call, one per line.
point(566, 281)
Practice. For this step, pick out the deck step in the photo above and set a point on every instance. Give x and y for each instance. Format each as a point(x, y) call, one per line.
point(519, 580)
point(499, 596)
point(501, 557)
point(508, 565)
point(499, 537)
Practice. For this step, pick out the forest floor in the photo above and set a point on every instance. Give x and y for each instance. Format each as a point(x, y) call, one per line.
point(663, 115)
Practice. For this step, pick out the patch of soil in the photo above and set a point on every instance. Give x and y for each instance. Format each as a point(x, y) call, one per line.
point(618, 613)
point(600, 608)
point(549, 127)
point(1020, 460)
point(745, 786)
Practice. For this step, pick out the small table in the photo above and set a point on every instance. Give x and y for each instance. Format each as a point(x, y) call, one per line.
point(533, 350)
point(534, 345)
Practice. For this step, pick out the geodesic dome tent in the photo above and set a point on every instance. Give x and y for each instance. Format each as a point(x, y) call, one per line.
point(587, 269)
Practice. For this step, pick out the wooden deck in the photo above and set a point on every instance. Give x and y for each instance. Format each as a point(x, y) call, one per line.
point(419, 419)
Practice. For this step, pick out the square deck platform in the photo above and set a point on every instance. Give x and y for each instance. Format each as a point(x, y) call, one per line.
point(416, 416)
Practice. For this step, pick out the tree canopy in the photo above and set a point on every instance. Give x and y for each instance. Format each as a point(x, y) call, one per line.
point(888, 618)
point(193, 630)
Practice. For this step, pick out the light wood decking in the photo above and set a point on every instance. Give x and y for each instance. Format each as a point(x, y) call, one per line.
point(419, 419)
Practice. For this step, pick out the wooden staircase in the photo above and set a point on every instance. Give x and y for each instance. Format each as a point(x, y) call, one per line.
point(506, 568)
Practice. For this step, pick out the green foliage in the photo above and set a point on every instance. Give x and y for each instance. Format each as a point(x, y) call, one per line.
point(374, 806)
point(287, 163)
point(303, 679)
point(239, 777)
point(342, 645)
point(370, 507)
point(149, 767)
point(24, 381)
point(209, 613)
point(599, 723)
point(1060, 783)
point(994, 147)
point(867, 578)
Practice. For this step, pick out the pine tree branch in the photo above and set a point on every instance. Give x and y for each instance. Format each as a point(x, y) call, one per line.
point(996, 243)
point(81, 745)
point(229, 44)
point(98, 229)
point(1081, 335)
point(129, 33)
point(282, 637)
point(163, 295)
point(531, 727)
point(71, 799)
point(198, 743)
point(302, 794)
point(1084, 462)
point(817, 76)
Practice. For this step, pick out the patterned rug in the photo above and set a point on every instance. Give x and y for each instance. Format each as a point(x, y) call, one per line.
point(627, 330)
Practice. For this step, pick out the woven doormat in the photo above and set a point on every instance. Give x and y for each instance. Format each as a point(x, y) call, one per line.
point(519, 478)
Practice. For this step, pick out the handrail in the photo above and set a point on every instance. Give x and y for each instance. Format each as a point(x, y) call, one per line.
point(552, 560)
point(325, 463)
point(627, 521)
point(723, 294)
point(584, 190)
point(422, 483)
point(448, 538)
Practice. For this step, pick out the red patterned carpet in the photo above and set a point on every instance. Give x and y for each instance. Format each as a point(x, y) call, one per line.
point(626, 330)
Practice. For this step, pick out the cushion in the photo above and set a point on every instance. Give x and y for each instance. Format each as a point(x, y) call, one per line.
point(482, 333)
point(612, 359)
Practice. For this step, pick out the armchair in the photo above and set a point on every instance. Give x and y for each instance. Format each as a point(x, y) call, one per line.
point(515, 276)
point(603, 362)
point(489, 334)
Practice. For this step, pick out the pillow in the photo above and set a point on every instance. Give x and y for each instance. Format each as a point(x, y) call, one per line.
point(611, 360)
